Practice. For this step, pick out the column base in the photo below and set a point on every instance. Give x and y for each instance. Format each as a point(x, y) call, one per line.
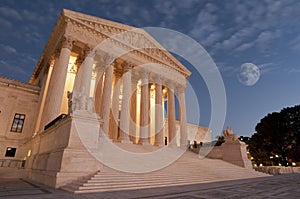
point(159, 144)
point(146, 144)
point(144, 141)
point(172, 145)
point(126, 141)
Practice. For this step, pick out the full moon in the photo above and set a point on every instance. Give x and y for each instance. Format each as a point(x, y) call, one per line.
point(249, 74)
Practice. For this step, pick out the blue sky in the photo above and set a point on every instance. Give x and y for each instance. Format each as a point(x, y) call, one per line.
point(265, 33)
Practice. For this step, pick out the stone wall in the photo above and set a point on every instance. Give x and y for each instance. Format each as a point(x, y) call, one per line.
point(22, 98)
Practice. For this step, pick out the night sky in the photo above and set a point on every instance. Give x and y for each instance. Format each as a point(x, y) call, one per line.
point(264, 33)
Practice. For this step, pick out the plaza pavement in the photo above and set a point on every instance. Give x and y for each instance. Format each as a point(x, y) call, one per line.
point(281, 186)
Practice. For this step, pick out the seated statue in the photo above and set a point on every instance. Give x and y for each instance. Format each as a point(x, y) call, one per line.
point(228, 134)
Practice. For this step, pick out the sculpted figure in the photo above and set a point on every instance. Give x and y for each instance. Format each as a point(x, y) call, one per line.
point(228, 134)
point(227, 131)
point(70, 102)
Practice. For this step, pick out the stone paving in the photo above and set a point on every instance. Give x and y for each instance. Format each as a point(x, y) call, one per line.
point(280, 186)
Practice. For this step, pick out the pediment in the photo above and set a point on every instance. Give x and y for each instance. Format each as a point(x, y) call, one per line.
point(130, 36)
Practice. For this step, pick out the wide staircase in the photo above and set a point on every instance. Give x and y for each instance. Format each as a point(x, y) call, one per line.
point(188, 169)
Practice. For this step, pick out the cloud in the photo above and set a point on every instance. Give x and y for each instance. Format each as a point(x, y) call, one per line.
point(8, 49)
point(295, 43)
point(261, 40)
point(211, 39)
point(227, 70)
point(236, 40)
point(266, 36)
point(204, 25)
point(12, 69)
point(266, 68)
point(5, 24)
point(10, 13)
point(294, 70)
point(244, 46)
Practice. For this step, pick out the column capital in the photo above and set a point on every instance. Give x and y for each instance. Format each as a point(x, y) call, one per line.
point(107, 59)
point(54, 57)
point(157, 78)
point(170, 84)
point(89, 52)
point(55, 54)
point(68, 42)
point(127, 66)
point(79, 59)
point(144, 73)
point(181, 88)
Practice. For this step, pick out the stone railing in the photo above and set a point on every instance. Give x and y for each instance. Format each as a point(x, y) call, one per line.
point(12, 163)
point(277, 170)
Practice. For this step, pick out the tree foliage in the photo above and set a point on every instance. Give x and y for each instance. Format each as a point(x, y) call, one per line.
point(277, 138)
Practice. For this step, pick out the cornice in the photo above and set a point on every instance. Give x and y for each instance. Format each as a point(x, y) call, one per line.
point(19, 84)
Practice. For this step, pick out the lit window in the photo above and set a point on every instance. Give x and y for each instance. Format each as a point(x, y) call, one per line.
point(18, 123)
point(10, 152)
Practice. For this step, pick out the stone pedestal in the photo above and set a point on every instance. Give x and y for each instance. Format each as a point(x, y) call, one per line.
point(59, 155)
point(234, 151)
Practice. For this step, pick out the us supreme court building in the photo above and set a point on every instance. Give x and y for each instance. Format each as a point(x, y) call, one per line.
point(104, 74)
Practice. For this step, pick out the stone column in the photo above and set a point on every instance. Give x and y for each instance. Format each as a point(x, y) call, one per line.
point(106, 98)
point(159, 120)
point(125, 114)
point(183, 125)
point(115, 104)
point(132, 127)
point(79, 61)
point(86, 76)
point(171, 114)
point(85, 81)
point(98, 88)
point(144, 110)
point(57, 82)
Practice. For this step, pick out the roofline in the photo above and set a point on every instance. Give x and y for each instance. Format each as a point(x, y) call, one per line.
point(19, 84)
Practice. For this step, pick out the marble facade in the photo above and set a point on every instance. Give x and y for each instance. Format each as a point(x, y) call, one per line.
point(109, 76)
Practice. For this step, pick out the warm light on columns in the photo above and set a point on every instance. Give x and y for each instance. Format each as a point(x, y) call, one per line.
point(152, 114)
point(69, 82)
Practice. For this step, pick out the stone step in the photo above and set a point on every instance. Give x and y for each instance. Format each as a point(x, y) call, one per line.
point(189, 169)
point(166, 175)
point(142, 186)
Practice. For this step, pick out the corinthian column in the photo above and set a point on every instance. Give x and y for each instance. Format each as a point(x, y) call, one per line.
point(57, 82)
point(158, 112)
point(183, 127)
point(171, 114)
point(125, 114)
point(98, 88)
point(132, 127)
point(106, 98)
point(86, 75)
point(82, 85)
point(144, 109)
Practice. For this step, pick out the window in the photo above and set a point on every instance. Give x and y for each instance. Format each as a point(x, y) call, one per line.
point(10, 152)
point(18, 123)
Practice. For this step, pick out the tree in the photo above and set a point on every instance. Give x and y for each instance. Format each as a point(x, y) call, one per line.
point(277, 138)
